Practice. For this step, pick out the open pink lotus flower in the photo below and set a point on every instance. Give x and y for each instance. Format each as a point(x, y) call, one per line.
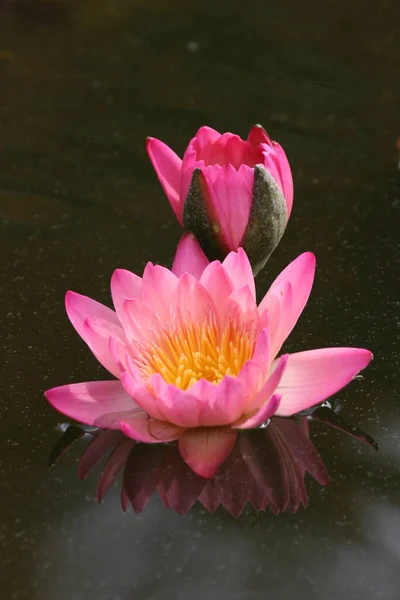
point(196, 359)
point(265, 469)
point(229, 192)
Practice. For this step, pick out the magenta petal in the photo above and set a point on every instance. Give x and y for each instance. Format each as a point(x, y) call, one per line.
point(311, 377)
point(231, 196)
point(286, 176)
point(124, 284)
point(205, 449)
point(258, 136)
point(189, 257)
point(262, 415)
point(238, 267)
point(192, 303)
point(219, 285)
point(91, 401)
point(167, 165)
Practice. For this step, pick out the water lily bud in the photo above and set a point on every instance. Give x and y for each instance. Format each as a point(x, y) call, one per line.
point(229, 192)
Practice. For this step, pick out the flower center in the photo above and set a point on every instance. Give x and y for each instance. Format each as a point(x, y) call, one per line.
point(192, 352)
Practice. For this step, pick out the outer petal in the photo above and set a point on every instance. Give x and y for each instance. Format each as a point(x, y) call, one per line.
point(93, 401)
point(205, 449)
point(124, 284)
point(286, 176)
point(311, 377)
point(257, 136)
point(79, 309)
point(262, 415)
point(167, 165)
point(300, 276)
point(238, 267)
point(189, 257)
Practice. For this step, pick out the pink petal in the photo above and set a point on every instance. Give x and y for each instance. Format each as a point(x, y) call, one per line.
point(271, 385)
point(218, 284)
point(158, 288)
point(92, 402)
point(243, 311)
point(79, 308)
point(205, 449)
point(231, 197)
point(205, 135)
point(238, 267)
point(226, 404)
point(141, 395)
point(300, 276)
point(142, 429)
point(167, 165)
point(286, 176)
point(192, 303)
point(262, 415)
point(181, 407)
point(311, 377)
point(140, 322)
point(258, 136)
point(97, 334)
point(189, 257)
point(124, 284)
point(271, 164)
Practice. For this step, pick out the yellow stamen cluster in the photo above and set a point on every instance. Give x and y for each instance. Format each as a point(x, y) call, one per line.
point(184, 355)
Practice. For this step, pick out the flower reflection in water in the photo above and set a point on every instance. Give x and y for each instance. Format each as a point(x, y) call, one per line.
point(266, 468)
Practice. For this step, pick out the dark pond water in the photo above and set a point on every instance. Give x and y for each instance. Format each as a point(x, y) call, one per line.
point(81, 86)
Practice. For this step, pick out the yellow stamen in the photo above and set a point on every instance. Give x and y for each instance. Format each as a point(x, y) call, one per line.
point(191, 352)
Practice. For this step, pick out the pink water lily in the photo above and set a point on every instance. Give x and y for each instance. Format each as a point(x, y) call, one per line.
point(229, 192)
point(194, 356)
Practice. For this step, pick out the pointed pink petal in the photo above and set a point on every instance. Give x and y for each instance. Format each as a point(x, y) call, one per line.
point(140, 322)
point(286, 176)
point(258, 136)
point(231, 197)
point(311, 377)
point(226, 404)
point(158, 288)
point(91, 401)
point(238, 267)
point(97, 334)
point(218, 284)
point(252, 376)
point(141, 395)
point(262, 415)
point(243, 312)
point(204, 136)
point(124, 284)
point(167, 165)
point(79, 308)
point(205, 449)
point(189, 257)
point(142, 429)
point(300, 275)
point(271, 385)
point(192, 303)
point(262, 350)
